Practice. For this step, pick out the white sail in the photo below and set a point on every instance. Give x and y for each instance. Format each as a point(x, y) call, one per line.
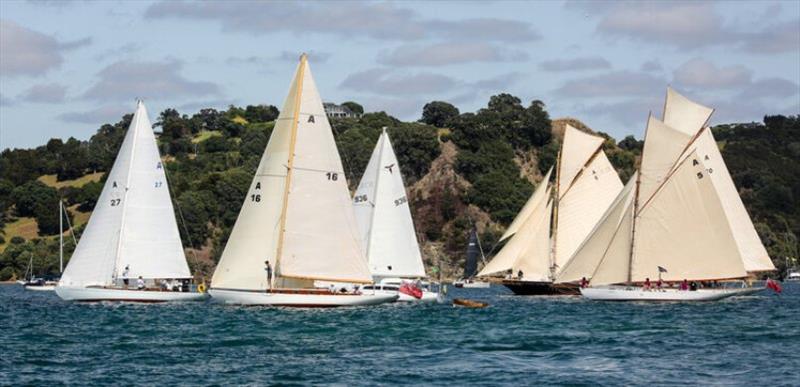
point(582, 206)
point(592, 250)
point(384, 217)
point(753, 252)
point(133, 222)
point(684, 229)
point(663, 146)
point(576, 150)
point(615, 262)
point(683, 114)
point(534, 260)
point(522, 240)
point(303, 220)
point(533, 202)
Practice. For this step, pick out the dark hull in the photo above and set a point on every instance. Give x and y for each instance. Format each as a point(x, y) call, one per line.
point(527, 288)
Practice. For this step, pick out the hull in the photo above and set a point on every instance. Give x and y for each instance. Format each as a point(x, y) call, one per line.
point(469, 303)
point(40, 288)
point(472, 284)
point(427, 296)
point(124, 295)
point(298, 298)
point(531, 288)
point(638, 294)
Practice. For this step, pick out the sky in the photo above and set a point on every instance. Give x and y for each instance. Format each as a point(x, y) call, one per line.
point(67, 67)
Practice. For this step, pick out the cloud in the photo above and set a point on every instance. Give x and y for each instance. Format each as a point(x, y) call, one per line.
point(383, 81)
point(770, 88)
point(123, 50)
point(25, 52)
point(44, 93)
point(402, 108)
point(497, 83)
point(782, 37)
point(126, 80)
point(576, 64)
point(100, 115)
point(5, 101)
point(651, 66)
point(352, 19)
point(699, 72)
point(616, 83)
point(439, 54)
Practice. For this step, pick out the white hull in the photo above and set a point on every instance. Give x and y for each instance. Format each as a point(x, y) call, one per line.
point(310, 299)
point(620, 293)
point(427, 296)
point(68, 293)
point(472, 284)
point(40, 288)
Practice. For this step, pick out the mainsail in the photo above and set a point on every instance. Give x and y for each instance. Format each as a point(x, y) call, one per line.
point(384, 217)
point(473, 252)
point(133, 223)
point(297, 213)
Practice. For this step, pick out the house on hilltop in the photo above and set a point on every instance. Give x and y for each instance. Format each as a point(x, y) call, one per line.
point(333, 110)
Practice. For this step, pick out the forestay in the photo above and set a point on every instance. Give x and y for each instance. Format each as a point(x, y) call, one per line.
point(384, 217)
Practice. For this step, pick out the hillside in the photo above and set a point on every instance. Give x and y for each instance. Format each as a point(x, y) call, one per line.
point(460, 168)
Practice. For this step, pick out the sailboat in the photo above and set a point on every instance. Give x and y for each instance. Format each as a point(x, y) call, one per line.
point(384, 221)
point(474, 250)
point(297, 220)
point(132, 233)
point(41, 284)
point(679, 219)
point(557, 218)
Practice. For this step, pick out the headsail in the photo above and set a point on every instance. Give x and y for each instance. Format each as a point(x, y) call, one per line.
point(297, 213)
point(133, 223)
point(533, 202)
point(384, 217)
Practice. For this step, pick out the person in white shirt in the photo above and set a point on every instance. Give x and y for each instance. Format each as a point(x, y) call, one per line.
point(125, 274)
point(140, 283)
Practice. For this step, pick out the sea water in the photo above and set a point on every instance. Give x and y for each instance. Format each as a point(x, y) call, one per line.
point(518, 340)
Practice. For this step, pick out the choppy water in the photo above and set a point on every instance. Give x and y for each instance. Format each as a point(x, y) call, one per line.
point(517, 341)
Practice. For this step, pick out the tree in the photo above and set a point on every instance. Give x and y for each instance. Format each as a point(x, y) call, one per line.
point(260, 113)
point(438, 113)
point(354, 107)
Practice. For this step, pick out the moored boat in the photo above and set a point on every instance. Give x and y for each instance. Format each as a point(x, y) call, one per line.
point(132, 233)
point(296, 227)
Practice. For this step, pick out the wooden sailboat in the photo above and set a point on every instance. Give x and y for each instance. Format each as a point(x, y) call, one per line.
point(678, 220)
point(297, 216)
point(557, 218)
point(132, 233)
point(385, 225)
point(474, 251)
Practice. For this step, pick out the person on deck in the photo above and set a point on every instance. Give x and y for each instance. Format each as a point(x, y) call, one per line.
point(140, 283)
point(659, 284)
point(647, 285)
point(693, 286)
point(125, 274)
point(584, 282)
point(268, 270)
point(519, 274)
point(684, 285)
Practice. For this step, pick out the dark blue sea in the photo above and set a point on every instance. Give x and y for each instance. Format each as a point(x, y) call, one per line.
point(745, 341)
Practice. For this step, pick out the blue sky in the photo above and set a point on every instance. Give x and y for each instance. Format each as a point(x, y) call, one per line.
point(67, 67)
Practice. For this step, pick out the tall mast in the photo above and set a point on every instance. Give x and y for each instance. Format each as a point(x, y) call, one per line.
point(636, 207)
point(290, 163)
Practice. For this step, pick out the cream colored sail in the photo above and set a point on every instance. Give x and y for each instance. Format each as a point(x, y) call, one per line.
point(133, 222)
point(534, 260)
point(615, 262)
point(536, 198)
point(663, 146)
point(582, 206)
point(683, 114)
point(753, 252)
point(297, 213)
point(576, 150)
point(384, 217)
point(596, 246)
point(684, 229)
point(520, 241)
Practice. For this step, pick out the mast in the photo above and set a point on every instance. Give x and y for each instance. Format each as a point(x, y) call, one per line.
point(127, 188)
point(375, 190)
point(60, 236)
point(555, 214)
point(636, 206)
point(290, 162)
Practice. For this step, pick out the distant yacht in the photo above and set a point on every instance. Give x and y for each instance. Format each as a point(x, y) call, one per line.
point(474, 251)
point(386, 228)
point(297, 221)
point(679, 220)
point(131, 245)
point(41, 284)
point(557, 218)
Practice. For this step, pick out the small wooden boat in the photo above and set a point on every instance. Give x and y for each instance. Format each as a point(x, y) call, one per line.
point(469, 303)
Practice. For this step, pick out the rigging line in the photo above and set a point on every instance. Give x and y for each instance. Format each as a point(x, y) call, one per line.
point(174, 199)
point(69, 224)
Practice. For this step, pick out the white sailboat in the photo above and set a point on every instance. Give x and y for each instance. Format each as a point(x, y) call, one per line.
point(557, 218)
point(298, 216)
point(681, 220)
point(39, 284)
point(132, 233)
point(385, 225)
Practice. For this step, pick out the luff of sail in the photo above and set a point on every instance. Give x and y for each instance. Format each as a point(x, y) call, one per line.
point(133, 223)
point(384, 217)
point(297, 213)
